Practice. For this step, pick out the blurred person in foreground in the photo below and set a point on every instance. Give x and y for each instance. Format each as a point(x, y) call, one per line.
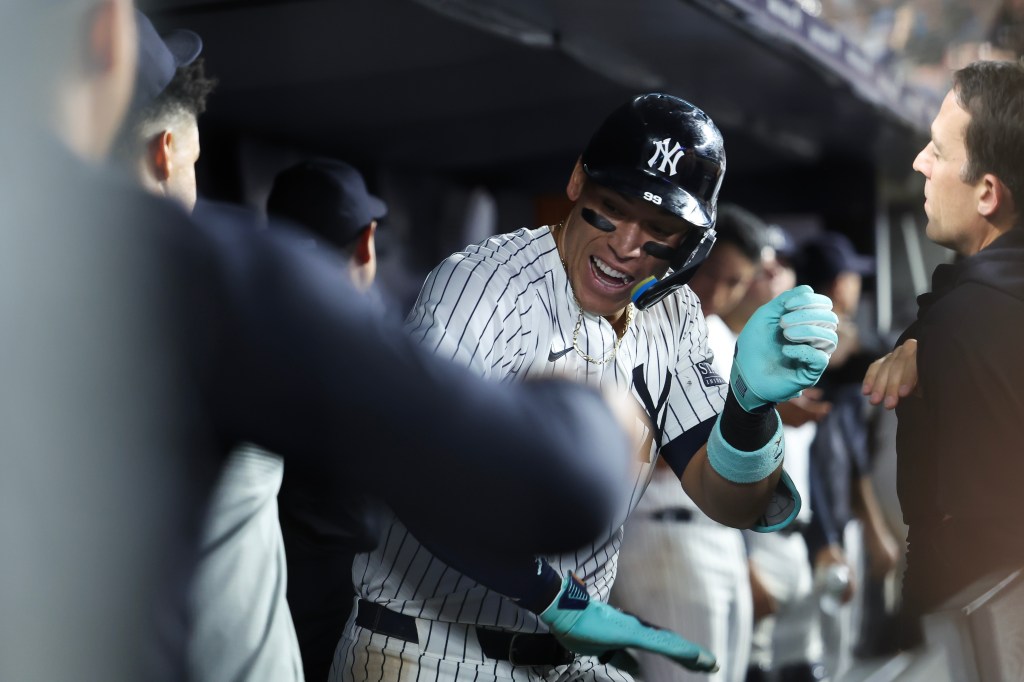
point(241, 626)
point(956, 378)
point(141, 348)
point(245, 626)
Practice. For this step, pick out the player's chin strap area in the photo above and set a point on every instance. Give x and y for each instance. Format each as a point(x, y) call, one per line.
point(692, 253)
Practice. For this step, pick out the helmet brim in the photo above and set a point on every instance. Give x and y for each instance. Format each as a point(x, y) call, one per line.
point(634, 183)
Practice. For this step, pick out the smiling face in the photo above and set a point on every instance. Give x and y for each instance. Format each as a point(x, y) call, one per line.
point(607, 243)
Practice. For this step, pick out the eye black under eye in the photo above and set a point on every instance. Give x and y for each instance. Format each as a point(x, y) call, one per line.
point(597, 220)
point(659, 250)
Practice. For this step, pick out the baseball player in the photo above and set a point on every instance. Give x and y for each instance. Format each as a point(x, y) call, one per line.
point(328, 198)
point(159, 139)
point(599, 297)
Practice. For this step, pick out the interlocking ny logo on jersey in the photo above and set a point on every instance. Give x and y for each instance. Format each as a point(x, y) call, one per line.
point(654, 410)
point(669, 157)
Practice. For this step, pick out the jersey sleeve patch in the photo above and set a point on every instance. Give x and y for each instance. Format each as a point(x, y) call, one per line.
point(709, 376)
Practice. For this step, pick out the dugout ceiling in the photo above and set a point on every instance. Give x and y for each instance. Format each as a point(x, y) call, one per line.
point(471, 85)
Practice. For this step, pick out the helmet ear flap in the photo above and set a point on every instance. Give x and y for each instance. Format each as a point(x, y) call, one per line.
point(690, 254)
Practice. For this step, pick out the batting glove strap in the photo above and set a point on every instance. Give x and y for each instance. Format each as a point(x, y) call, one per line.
point(742, 466)
point(591, 628)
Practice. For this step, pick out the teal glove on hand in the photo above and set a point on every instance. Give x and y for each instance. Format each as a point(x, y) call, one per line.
point(592, 628)
point(783, 348)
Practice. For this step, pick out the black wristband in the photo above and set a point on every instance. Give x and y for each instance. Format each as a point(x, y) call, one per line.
point(543, 589)
point(747, 431)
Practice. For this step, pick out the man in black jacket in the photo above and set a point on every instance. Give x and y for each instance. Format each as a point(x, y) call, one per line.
point(957, 373)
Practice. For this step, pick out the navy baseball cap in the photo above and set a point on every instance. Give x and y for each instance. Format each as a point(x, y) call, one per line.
point(160, 57)
point(826, 255)
point(327, 197)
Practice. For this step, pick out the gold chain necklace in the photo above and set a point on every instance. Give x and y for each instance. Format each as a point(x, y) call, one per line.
point(579, 318)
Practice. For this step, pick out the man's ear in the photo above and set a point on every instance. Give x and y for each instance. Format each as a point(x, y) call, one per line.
point(994, 197)
point(366, 249)
point(159, 156)
point(576, 182)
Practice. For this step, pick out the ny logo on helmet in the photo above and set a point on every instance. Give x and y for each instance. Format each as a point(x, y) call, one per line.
point(669, 158)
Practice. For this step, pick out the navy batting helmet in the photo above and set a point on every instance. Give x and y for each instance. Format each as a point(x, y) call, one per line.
point(667, 151)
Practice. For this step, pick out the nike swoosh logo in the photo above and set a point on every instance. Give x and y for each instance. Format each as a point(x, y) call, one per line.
point(552, 355)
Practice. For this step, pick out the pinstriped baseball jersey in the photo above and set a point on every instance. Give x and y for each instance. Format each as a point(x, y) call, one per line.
point(505, 308)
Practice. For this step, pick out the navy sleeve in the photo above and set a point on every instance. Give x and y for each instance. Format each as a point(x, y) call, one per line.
point(678, 452)
point(307, 370)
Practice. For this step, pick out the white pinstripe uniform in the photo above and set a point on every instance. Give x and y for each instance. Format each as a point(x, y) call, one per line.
point(505, 308)
point(688, 574)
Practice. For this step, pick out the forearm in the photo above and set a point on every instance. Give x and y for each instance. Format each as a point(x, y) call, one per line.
point(882, 546)
point(735, 484)
point(738, 505)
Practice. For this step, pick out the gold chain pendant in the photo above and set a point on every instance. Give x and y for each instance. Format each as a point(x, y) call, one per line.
point(618, 337)
point(579, 318)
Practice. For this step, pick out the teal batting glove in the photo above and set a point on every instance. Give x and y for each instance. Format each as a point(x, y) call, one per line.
point(783, 348)
point(592, 628)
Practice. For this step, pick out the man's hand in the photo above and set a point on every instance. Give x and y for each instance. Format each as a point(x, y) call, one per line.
point(783, 348)
point(593, 628)
point(893, 376)
point(831, 555)
point(809, 407)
